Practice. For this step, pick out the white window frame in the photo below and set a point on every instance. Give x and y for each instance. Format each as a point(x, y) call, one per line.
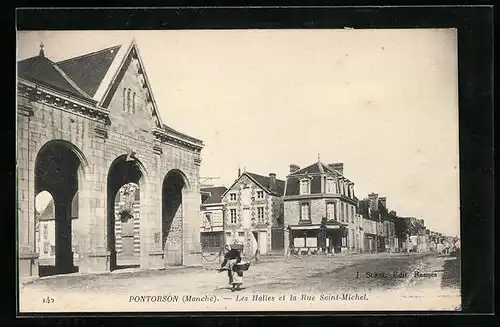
point(308, 206)
point(334, 213)
point(260, 218)
point(231, 216)
point(330, 185)
point(305, 182)
point(231, 195)
point(260, 194)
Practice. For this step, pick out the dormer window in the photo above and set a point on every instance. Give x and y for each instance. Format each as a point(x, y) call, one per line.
point(232, 196)
point(260, 194)
point(305, 186)
point(329, 185)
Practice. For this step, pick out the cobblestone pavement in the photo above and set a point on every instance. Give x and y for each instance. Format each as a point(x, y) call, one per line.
point(315, 274)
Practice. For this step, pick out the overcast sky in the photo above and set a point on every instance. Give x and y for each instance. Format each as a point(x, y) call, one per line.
point(383, 102)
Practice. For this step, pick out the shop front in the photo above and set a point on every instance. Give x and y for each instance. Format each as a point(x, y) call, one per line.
point(319, 238)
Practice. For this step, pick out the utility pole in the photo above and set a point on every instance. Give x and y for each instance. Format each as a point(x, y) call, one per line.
point(204, 180)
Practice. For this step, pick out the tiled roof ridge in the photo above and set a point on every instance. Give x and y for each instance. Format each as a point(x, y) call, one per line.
point(278, 180)
point(88, 54)
point(75, 88)
point(70, 81)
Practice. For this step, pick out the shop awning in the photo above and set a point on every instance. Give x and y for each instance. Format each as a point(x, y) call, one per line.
point(309, 227)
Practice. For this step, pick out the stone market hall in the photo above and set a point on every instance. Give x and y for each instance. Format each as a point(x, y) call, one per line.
point(87, 126)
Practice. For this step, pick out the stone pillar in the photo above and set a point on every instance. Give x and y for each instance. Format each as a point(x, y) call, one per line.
point(27, 253)
point(151, 226)
point(191, 246)
point(92, 224)
point(64, 253)
point(145, 222)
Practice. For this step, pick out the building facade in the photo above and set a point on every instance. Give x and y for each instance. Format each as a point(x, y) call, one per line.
point(212, 219)
point(320, 210)
point(379, 225)
point(253, 212)
point(89, 125)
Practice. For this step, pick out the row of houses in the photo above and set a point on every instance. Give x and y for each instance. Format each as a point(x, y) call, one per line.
point(315, 209)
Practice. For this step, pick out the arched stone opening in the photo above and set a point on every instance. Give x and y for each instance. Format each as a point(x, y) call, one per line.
point(124, 184)
point(57, 168)
point(175, 185)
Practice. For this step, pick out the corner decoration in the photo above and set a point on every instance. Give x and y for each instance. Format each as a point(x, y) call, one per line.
point(127, 199)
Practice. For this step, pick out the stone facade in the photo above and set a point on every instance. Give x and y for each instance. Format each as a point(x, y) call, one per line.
point(316, 195)
point(379, 224)
point(100, 132)
point(318, 210)
point(250, 212)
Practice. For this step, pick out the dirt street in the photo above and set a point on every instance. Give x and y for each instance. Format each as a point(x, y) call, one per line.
point(357, 273)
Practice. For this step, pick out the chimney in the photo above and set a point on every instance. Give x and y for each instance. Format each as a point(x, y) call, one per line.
point(384, 201)
point(339, 167)
point(272, 181)
point(294, 168)
point(373, 197)
point(239, 172)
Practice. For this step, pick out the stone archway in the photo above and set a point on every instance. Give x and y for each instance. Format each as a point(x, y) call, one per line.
point(124, 171)
point(58, 166)
point(174, 187)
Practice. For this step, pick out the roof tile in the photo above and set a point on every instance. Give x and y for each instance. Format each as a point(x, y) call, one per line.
point(88, 70)
point(40, 69)
point(215, 194)
point(265, 182)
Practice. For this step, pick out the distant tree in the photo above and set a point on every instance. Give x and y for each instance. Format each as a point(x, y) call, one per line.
point(401, 227)
point(126, 210)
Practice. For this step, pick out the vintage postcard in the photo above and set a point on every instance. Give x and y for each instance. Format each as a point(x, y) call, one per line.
point(238, 170)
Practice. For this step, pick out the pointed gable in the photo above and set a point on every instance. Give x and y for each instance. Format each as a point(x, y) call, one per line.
point(265, 182)
point(89, 70)
point(112, 85)
point(49, 212)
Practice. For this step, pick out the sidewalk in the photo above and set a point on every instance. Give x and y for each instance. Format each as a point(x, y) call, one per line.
point(119, 273)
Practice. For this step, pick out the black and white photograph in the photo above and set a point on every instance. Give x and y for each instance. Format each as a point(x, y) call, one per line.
point(238, 170)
